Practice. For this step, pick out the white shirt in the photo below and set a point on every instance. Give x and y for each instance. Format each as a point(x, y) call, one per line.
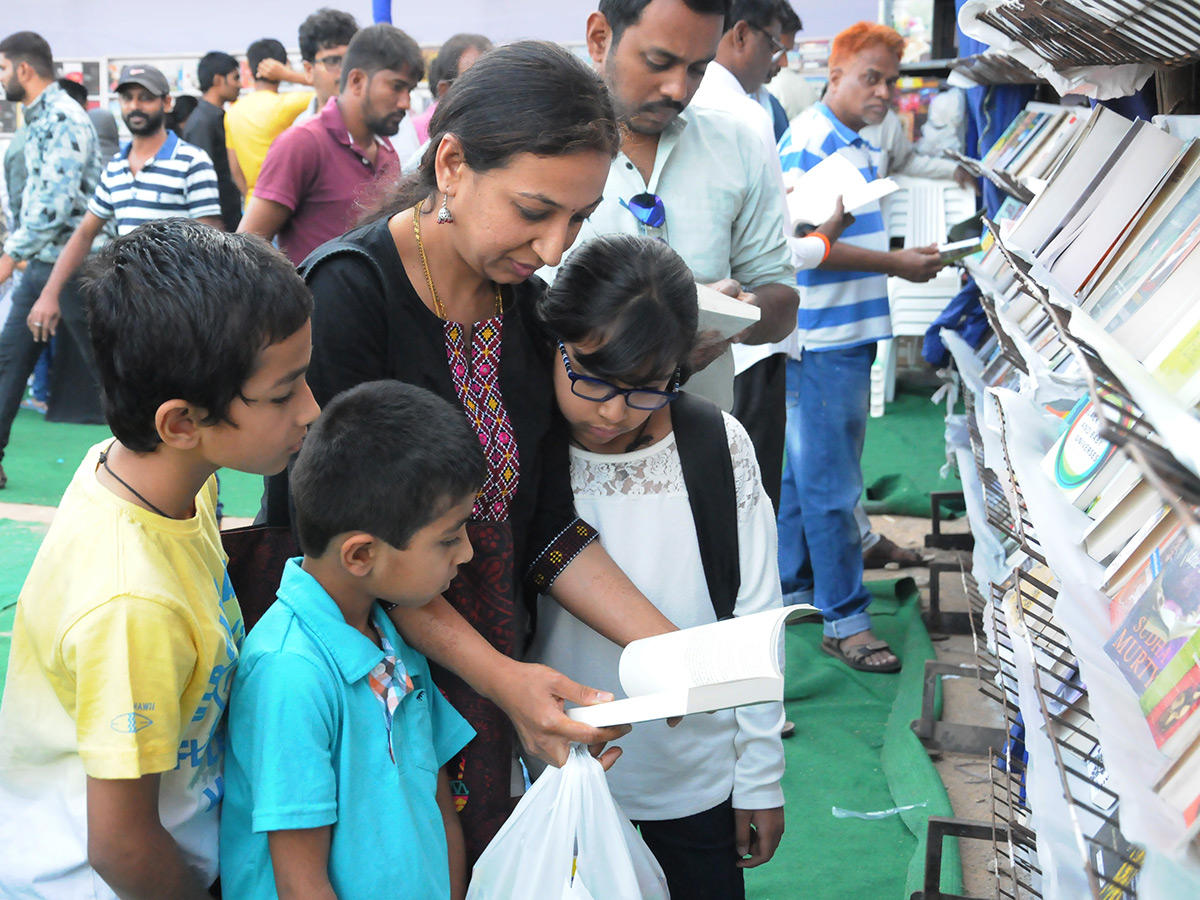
point(310, 112)
point(724, 215)
point(640, 506)
point(721, 90)
point(898, 156)
point(792, 89)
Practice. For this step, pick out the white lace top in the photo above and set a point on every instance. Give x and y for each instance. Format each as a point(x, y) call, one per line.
point(638, 503)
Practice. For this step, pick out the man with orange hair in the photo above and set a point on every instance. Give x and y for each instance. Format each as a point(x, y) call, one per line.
point(843, 314)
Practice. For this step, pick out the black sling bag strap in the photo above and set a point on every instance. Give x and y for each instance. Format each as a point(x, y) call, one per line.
point(276, 509)
point(712, 494)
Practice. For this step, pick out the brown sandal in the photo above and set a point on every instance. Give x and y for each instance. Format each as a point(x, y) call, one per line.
point(886, 552)
point(856, 657)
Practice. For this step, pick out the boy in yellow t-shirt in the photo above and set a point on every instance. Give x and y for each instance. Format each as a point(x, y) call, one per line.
point(254, 120)
point(127, 630)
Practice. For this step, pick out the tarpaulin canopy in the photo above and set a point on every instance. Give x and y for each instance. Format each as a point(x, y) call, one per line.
point(90, 28)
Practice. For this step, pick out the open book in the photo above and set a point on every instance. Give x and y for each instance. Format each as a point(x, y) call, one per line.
point(734, 662)
point(724, 314)
point(814, 194)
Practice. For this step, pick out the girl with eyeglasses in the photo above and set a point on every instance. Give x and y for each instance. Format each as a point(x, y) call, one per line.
point(673, 486)
point(435, 288)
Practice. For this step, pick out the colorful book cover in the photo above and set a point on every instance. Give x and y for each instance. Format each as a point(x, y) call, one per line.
point(1007, 138)
point(1162, 253)
point(1021, 140)
point(1156, 612)
point(1081, 453)
point(1181, 696)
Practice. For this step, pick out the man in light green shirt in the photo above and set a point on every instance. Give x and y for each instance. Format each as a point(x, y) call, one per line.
point(708, 172)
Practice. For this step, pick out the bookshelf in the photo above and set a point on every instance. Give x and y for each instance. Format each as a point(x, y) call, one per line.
point(992, 67)
point(1070, 33)
point(1084, 801)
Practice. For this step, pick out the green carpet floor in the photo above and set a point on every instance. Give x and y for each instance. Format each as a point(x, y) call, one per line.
point(42, 456)
point(853, 749)
point(904, 453)
point(20, 541)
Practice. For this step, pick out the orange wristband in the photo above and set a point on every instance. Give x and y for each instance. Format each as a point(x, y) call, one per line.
point(828, 245)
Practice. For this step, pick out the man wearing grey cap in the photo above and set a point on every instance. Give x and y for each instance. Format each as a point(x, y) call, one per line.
point(154, 176)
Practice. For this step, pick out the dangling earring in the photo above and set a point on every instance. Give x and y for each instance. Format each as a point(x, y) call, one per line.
point(444, 216)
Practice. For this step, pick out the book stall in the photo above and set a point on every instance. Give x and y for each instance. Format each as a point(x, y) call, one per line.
point(1079, 451)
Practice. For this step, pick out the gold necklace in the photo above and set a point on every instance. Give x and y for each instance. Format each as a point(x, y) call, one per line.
point(438, 309)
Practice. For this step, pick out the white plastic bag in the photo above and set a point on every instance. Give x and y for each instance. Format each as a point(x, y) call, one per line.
point(568, 840)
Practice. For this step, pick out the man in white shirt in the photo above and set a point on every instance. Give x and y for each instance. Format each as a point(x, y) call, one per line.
point(695, 178)
point(324, 37)
point(789, 87)
point(899, 156)
point(746, 57)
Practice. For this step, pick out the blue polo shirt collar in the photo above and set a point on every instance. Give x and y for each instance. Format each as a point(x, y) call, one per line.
point(845, 133)
point(353, 652)
point(166, 151)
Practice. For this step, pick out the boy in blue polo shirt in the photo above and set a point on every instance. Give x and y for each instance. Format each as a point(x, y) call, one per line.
point(337, 734)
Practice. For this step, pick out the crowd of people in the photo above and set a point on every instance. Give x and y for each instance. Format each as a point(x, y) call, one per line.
point(528, 452)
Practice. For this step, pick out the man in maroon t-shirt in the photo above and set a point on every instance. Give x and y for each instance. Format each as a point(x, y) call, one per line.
point(314, 172)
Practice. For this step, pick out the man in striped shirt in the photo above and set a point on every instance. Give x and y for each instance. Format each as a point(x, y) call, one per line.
point(155, 176)
point(843, 314)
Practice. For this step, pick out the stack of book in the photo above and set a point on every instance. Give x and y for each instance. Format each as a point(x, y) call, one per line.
point(1109, 231)
point(1029, 150)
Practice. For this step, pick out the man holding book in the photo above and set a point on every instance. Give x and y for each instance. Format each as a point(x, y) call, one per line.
point(697, 179)
point(843, 314)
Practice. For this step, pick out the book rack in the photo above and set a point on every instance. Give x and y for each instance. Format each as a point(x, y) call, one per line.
point(1076, 806)
point(994, 67)
point(1070, 33)
point(1125, 424)
point(998, 177)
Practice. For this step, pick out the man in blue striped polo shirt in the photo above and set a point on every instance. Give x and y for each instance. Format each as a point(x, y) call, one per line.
point(155, 176)
point(843, 314)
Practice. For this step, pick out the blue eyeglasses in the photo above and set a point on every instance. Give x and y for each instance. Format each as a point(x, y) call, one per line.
point(647, 208)
point(598, 391)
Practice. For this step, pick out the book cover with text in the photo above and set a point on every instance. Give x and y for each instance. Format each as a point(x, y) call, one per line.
point(1156, 612)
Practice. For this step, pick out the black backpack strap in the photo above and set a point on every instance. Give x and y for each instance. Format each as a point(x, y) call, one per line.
point(712, 494)
point(340, 248)
point(276, 510)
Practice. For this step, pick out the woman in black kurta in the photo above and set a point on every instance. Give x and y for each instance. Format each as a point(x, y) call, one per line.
point(435, 290)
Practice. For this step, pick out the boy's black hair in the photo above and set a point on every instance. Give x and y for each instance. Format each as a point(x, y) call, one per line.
point(380, 47)
point(623, 13)
point(635, 293)
point(759, 13)
point(212, 64)
point(29, 47)
point(74, 90)
point(180, 310)
point(264, 48)
point(324, 29)
point(385, 458)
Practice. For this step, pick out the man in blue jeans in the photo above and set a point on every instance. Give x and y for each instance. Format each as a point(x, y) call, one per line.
point(843, 314)
point(62, 159)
